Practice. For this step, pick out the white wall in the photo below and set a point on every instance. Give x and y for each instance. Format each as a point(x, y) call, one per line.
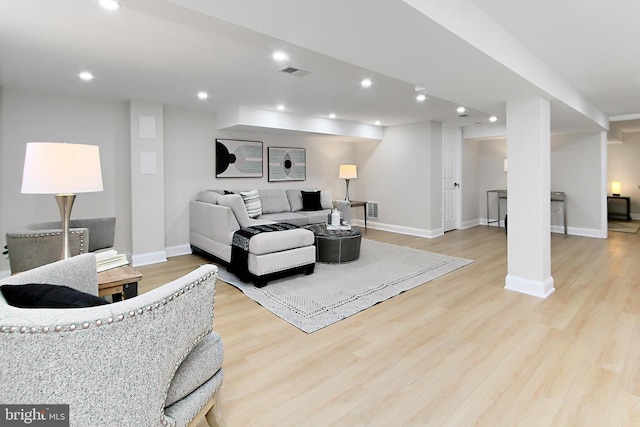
point(491, 176)
point(397, 173)
point(190, 165)
point(30, 116)
point(575, 169)
point(469, 184)
point(435, 153)
point(402, 172)
point(147, 182)
point(189, 141)
point(623, 166)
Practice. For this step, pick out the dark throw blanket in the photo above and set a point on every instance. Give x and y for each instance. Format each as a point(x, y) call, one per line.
point(240, 246)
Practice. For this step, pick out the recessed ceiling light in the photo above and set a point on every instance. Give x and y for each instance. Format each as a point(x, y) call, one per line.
point(332, 116)
point(86, 76)
point(461, 110)
point(377, 122)
point(280, 56)
point(203, 95)
point(421, 97)
point(493, 119)
point(109, 4)
point(280, 107)
point(366, 83)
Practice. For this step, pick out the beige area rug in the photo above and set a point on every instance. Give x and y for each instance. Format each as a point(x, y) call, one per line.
point(336, 291)
point(624, 226)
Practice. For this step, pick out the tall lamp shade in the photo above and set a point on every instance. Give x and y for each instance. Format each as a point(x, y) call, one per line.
point(348, 172)
point(616, 188)
point(64, 170)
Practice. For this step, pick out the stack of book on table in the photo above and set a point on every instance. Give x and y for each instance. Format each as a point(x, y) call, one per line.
point(345, 226)
point(110, 259)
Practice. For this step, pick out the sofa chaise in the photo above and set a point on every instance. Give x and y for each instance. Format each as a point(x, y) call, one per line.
point(215, 217)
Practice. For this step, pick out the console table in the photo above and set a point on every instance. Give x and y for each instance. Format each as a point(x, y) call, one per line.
point(627, 214)
point(556, 196)
point(357, 204)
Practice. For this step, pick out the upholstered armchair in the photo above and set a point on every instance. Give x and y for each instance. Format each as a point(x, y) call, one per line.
point(152, 360)
point(41, 244)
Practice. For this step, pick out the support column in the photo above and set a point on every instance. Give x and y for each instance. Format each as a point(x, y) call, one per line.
point(528, 202)
point(147, 183)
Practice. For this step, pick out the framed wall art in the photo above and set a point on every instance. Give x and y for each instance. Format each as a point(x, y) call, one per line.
point(287, 164)
point(237, 158)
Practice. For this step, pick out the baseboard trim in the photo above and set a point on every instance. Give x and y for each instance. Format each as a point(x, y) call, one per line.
point(149, 258)
point(574, 231)
point(483, 221)
point(419, 232)
point(178, 250)
point(536, 288)
point(470, 224)
point(587, 232)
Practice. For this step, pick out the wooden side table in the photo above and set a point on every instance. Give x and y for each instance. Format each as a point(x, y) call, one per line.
point(120, 282)
point(357, 204)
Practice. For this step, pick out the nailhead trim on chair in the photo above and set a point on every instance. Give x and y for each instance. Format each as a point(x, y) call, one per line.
point(99, 322)
point(57, 233)
point(184, 356)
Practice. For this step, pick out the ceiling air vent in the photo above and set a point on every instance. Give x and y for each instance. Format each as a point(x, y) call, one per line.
point(295, 71)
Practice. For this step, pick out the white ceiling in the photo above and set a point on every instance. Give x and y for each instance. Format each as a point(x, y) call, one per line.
point(166, 51)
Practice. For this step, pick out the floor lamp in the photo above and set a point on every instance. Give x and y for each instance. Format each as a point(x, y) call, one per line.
point(348, 172)
point(64, 170)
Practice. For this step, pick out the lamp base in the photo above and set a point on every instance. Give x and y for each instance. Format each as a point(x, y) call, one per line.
point(615, 195)
point(65, 203)
point(346, 196)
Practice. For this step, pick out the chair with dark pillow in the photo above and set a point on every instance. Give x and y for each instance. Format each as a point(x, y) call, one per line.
point(152, 360)
point(40, 244)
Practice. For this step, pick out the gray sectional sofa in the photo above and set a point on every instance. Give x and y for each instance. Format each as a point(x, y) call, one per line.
point(215, 216)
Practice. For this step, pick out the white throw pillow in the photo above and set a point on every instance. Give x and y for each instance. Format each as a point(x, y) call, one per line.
point(325, 199)
point(252, 203)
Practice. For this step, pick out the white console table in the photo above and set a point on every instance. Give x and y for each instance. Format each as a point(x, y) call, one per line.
point(556, 196)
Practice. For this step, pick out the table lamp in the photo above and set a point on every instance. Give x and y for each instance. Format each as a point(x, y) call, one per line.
point(616, 188)
point(62, 169)
point(348, 172)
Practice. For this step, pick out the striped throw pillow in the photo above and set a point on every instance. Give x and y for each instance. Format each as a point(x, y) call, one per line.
point(252, 203)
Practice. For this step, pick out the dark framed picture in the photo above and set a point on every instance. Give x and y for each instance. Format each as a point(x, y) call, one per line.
point(236, 158)
point(287, 164)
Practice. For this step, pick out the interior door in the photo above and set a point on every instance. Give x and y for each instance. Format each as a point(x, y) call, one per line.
point(451, 177)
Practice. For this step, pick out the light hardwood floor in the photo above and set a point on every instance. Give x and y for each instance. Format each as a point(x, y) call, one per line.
point(458, 351)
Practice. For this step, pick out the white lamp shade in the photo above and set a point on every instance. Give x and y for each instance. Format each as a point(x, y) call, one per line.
point(616, 187)
point(348, 172)
point(61, 168)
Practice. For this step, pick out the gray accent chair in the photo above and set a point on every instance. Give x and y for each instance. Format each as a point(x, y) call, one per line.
point(41, 243)
point(152, 360)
